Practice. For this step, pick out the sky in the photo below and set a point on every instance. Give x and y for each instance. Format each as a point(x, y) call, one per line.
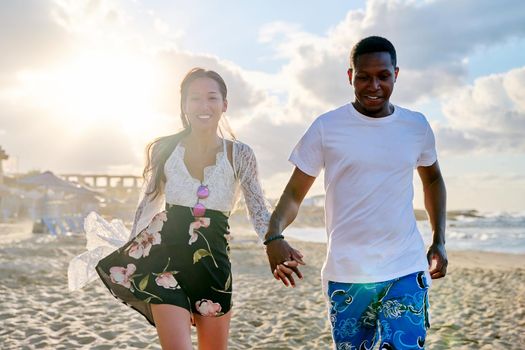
point(86, 84)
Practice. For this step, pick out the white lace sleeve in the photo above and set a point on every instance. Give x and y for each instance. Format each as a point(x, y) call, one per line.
point(102, 238)
point(105, 237)
point(245, 166)
point(148, 206)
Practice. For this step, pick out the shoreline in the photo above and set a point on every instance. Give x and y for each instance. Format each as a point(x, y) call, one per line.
point(502, 259)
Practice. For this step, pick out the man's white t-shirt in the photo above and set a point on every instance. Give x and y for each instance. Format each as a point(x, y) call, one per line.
point(369, 165)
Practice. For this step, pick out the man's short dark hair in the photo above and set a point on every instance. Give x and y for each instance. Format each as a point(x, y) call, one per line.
point(372, 44)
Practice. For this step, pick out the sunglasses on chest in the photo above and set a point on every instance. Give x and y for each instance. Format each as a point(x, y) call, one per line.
point(199, 209)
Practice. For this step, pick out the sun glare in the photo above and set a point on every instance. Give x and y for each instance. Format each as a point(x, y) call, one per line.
point(98, 89)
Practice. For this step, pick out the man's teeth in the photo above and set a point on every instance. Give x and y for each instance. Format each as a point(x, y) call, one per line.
point(204, 116)
point(373, 97)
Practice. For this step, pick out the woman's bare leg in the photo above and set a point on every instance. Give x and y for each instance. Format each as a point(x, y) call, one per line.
point(213, 332)
point(173, 326)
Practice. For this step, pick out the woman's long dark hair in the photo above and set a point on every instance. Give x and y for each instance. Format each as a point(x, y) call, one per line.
point(158, 151)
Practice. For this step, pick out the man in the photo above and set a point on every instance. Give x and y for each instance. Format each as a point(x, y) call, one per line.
point(376, 274)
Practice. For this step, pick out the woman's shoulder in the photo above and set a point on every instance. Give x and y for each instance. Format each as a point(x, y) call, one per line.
point(160, 149)
point(240, 147)
point(243, 158)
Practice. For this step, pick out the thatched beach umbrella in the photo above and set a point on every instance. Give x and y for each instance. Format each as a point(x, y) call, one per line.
point(49, 180)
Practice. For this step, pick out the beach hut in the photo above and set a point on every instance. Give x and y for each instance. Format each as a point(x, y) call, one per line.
point(60, 211)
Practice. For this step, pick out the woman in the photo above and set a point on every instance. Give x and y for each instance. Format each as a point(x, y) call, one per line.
point(176, 269)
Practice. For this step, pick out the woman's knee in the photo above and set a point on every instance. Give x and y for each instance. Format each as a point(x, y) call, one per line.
point(213, 331)
point(173, 326)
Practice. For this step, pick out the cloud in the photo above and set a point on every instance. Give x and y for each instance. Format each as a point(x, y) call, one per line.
point(270, 112)
point(272, 143)
point(30, 38)
point(484, 191)
point(40, 40)
point(432, 67)
point(431, 63)
point(452, 141)
point(36, 124)
point(87, 16)
point(98, 149)
point(243, 97)
point(40, 141)
point(489, 114)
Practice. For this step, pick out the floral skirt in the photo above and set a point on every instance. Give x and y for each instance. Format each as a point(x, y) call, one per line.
point(177, 260)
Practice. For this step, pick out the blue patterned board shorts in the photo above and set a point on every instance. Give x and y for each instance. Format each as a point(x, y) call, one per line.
point(395, 312)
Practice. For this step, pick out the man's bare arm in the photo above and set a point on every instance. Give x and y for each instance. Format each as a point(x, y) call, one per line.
point(435, 196)
point(279, 251)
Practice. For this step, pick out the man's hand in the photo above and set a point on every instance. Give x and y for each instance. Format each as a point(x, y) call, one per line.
point(279, 251)
point(437, 253)
point(284, 261)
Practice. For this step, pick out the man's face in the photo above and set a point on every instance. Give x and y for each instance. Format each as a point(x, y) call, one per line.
point(373, 79)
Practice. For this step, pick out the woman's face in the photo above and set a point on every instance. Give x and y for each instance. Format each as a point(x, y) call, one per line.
point(204, 104)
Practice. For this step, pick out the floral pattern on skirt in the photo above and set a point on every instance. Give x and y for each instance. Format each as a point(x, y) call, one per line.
point(178, 259)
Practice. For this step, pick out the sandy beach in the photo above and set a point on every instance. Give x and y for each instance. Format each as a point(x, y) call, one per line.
point(479, 305)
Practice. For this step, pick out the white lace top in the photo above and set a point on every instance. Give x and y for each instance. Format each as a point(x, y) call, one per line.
point(224, 184)
point(223, 181)
point(181, 187)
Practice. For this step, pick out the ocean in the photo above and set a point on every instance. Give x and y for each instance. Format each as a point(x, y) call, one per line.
point(492, 232)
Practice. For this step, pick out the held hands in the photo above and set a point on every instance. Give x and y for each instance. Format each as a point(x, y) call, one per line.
point(437, 260)
point(284, 261)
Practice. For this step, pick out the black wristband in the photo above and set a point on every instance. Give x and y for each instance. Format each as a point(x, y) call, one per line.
point(272, 238)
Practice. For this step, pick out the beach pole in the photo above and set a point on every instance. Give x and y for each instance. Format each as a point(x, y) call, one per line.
point(3, 156)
